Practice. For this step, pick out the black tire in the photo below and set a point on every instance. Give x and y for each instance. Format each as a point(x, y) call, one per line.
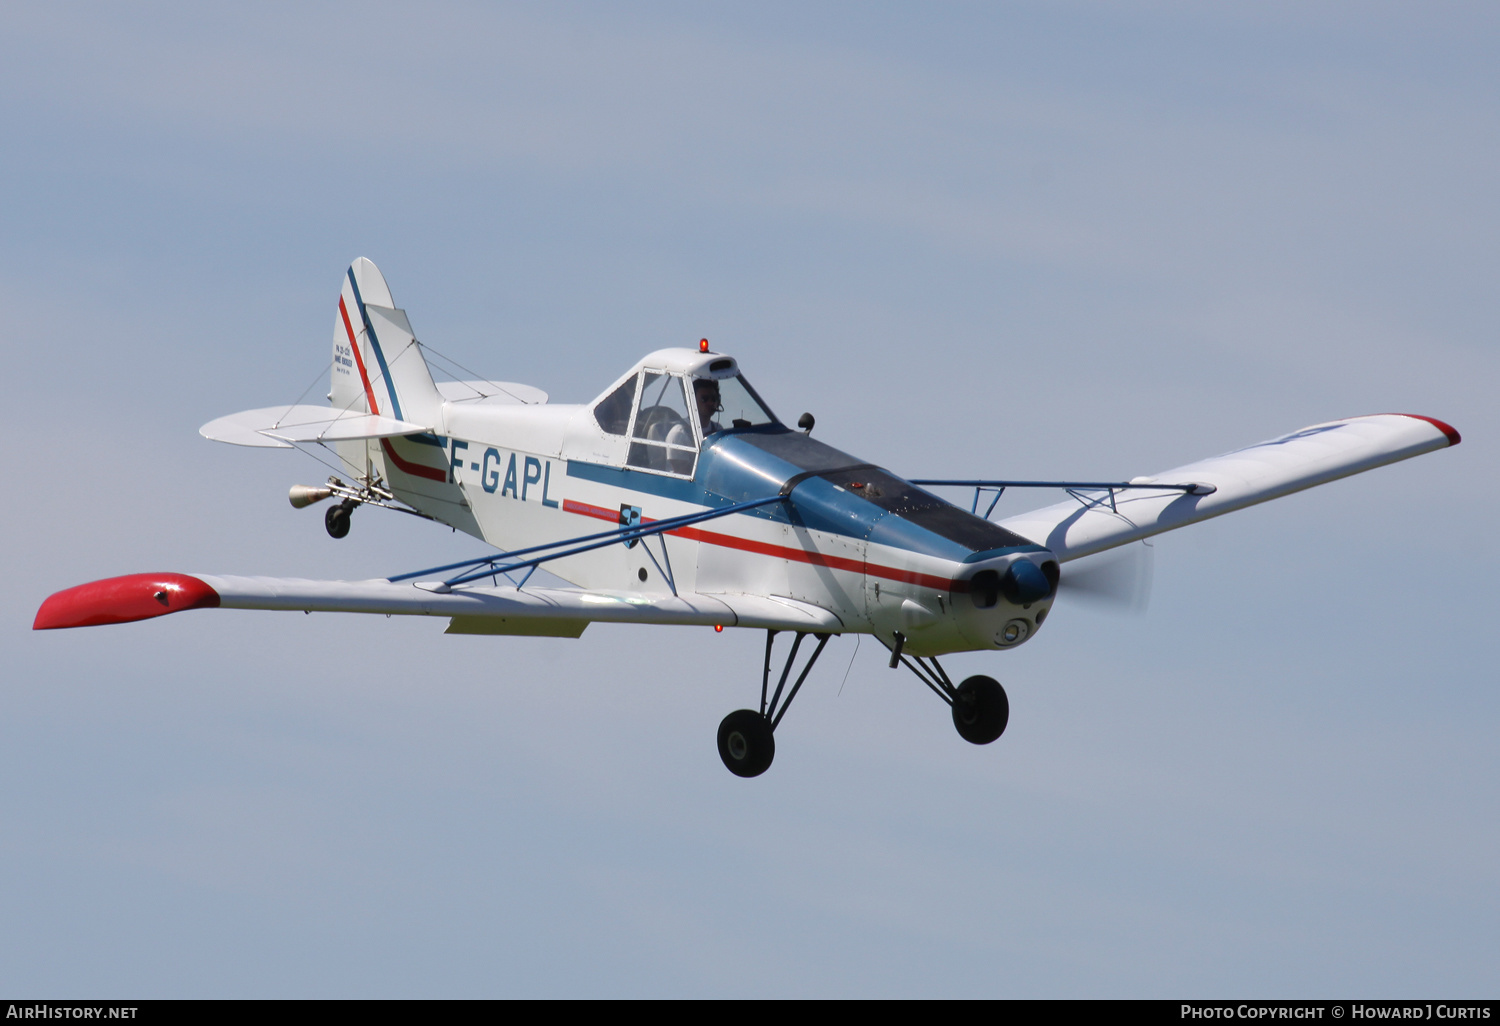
point(746, 743)
point(980, 710)
point(336, 520)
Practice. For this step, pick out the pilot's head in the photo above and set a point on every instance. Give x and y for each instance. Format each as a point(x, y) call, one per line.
point(706, 392)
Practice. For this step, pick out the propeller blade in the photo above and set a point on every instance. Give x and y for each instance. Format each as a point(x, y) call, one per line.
point(1119, 580)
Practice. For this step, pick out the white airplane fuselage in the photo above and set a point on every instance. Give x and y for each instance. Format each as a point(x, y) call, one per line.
point(518, 475)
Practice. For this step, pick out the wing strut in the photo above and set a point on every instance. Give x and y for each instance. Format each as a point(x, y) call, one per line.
point(1073, 488)
point(506, 562)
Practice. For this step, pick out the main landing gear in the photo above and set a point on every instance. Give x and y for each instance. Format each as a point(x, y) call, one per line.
point(747, 739)
point(980, 707)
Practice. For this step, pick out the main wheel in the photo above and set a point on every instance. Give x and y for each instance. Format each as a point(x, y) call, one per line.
point(336, 520)
point(746, 743)
point(980, 710)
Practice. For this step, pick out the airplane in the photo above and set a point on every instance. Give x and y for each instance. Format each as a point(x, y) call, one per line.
point(678, 497)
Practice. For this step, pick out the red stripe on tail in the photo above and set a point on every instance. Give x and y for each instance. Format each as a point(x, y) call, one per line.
point(359, 360)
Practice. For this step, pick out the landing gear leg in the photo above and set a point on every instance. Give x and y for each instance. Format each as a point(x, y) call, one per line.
point(981, 709)
point(336, 520)
point(747, 742)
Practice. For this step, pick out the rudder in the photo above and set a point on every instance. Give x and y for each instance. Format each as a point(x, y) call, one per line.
point(378, 365)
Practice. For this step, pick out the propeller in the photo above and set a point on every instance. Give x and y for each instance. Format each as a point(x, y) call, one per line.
point(1119, 580)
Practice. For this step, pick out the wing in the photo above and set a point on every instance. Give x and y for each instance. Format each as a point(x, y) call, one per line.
point(558, 612)
point(1098, 520)
point(474, 607)
point(276, 427)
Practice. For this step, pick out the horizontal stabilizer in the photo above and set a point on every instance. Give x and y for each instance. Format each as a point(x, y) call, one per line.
point(1315, 455)
point(554, 611)
point(276, 427)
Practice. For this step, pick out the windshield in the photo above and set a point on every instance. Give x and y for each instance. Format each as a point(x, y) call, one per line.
point(728, 403)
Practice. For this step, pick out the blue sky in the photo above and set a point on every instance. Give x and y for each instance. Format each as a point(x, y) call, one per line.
point(1027, 240)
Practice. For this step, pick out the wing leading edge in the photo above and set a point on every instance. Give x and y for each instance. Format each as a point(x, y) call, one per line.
point(561, 612)
point(1257, 473)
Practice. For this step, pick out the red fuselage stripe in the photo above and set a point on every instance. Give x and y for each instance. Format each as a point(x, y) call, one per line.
point(729, 541)
point(414, 469)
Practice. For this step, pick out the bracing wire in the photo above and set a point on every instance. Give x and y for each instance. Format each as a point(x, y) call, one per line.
point(857, 639)
point(352, 469)
point(473, 375)
point(316, 378)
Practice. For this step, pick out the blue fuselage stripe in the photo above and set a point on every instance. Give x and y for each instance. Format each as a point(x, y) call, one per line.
point(735, 472)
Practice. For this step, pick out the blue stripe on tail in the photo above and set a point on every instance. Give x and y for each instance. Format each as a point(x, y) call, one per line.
point(390, 386)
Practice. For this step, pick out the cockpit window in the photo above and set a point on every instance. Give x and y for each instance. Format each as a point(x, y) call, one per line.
point(726, 403)
point(662, 438)
point(613, 411)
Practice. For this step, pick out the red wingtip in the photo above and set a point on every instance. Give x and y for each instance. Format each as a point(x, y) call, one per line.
point(1453, 436)
point(124, 599)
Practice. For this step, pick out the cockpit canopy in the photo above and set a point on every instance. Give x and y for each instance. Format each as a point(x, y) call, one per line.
point(657, 417)
point(673, 401)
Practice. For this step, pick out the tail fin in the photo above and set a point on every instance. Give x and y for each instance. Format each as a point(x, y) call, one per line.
point(378, 368)
point(378, 365)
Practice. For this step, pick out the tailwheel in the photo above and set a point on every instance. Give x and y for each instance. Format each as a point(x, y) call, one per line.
point(980, 710)
point(336, 520)
point(746, 743)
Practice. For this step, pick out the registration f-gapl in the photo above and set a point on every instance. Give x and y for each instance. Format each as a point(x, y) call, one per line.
point(678, 497)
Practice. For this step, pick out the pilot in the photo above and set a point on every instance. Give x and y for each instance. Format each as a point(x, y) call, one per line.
point(679, 436)
point(706, 392)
